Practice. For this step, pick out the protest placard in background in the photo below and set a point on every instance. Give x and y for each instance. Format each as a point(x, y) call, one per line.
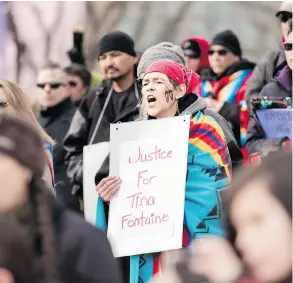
point(93, 158)
point(276, 123)
point(146, 215)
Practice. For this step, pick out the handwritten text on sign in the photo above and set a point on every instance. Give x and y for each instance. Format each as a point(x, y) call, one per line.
point(276, 123)
point(144, 179)
point(146, 215)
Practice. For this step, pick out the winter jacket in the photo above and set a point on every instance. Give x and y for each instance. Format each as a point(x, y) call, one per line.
point(83, 253)
point(208, 163)
point(280, 87)
point(230, 88)
point(265, 71)
point(56, 121)
point(84, 123)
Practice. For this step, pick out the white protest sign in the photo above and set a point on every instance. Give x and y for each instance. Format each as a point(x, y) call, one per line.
point(146, 215)
point(93, 158)
point(276, 123)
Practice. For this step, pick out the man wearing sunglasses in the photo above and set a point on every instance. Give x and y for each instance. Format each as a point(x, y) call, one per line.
point(274, 60)
point(78, 82)
point(226, 94)
point(55, 117)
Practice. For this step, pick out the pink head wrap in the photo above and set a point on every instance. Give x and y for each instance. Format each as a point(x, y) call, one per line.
point(176, 72)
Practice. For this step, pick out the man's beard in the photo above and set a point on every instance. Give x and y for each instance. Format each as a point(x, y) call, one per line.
point(117, 78)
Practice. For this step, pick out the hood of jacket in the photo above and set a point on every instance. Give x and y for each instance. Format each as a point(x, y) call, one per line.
point(191, 104)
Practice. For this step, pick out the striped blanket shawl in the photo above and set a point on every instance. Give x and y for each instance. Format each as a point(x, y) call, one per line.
point(232, 89)
point(208, 174)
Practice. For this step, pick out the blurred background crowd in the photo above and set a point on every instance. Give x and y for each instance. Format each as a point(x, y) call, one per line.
point(69, 69)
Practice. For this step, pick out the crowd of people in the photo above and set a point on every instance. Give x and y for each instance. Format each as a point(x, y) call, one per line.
point(238, 194)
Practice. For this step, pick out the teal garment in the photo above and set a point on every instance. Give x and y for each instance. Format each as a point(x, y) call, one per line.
point(208, 175)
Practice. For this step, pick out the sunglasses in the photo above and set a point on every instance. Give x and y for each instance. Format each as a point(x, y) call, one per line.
point(284, 17)
point(72, 83)
point(288, 46)
point(53, 85)
point(221, 52)
point(3, 103)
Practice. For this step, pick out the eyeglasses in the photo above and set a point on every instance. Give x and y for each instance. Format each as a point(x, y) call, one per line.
point(284, 17)
point(288, 46)
point(221, 52)
point(52, 85)
point(72, 83)
point(3, 103)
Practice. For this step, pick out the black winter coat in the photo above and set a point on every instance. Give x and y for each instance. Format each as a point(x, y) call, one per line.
point(56, 121)
point(85, 255)
point(281, 86)
point(84, 123)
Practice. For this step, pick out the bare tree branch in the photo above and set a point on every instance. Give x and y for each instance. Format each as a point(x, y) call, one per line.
point(55, 27)
point(172, 23)
point(20, 46)
point(144, 15)
point(49, 32)
point(38, 15)
point(99, 23)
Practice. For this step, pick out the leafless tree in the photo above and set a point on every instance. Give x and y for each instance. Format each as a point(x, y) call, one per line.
point(144, 15)
point(102, 17)
point(20, 46)
point(171, 25)
point(48, 32)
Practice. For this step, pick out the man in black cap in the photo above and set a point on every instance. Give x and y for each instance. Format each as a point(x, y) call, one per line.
point(224, 52)
point(117, 99)
point(226, 94)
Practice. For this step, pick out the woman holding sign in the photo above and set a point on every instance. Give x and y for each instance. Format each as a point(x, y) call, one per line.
point(164, 89)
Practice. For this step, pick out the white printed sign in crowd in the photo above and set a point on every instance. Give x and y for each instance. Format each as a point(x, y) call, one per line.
point(276, 123)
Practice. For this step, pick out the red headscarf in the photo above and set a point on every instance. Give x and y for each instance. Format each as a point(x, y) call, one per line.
point(204, 48)
point(176, 72)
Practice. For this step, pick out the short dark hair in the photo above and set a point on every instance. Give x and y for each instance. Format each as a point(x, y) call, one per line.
point(79, 71)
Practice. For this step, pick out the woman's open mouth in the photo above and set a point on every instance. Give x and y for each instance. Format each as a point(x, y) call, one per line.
point(151, 99)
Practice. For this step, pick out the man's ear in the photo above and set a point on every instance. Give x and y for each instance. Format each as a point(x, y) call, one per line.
point(135, 60)
point(180, 91)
